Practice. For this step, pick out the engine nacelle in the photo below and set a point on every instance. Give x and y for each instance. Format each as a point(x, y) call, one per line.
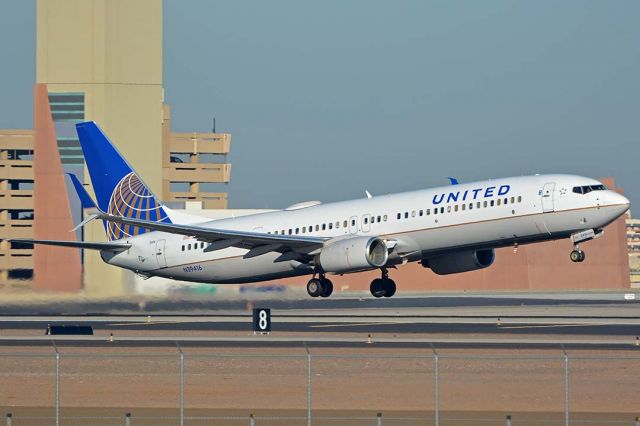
point(353, 254)
point(463, 261)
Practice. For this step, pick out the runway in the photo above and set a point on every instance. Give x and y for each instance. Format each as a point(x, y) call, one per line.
point(413, 322)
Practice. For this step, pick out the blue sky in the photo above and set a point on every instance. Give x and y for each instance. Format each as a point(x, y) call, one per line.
point(327, 99)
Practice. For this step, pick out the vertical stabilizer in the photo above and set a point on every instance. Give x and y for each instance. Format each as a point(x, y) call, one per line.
point(119, 190)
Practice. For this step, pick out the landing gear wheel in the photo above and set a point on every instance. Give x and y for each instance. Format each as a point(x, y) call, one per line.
point(577, 256)
point(327, 287)
point(389, 287)
point(314, 287)
point(377, 287)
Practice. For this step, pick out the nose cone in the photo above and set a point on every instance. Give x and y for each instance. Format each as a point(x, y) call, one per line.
point(619, 203)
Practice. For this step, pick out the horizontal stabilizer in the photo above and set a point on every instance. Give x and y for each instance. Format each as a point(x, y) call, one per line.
point(77, 244)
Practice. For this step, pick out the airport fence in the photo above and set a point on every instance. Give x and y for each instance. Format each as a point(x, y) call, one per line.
point(279, 386)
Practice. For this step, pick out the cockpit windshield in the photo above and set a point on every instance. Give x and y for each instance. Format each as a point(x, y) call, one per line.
point(588, 188)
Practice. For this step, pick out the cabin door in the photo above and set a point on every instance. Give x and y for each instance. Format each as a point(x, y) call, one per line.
point(160, 253)
point(547, 197)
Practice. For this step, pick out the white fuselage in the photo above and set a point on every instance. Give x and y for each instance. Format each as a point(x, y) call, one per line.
point(486, 214)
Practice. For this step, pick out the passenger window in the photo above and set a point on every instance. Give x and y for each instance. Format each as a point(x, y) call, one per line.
point(435, 211)
point(366, 221)
point(455, 208)
point(478, 205)
point(499, 200)
point(399, 216)
point(385, 217)
point(379, 219)
point(331, 225)
point(201, 245)
point(182, 248)
point(448, 209)
point(464, 206)
point(406, 215)
point(353, 222)
point(290, 232)
point(485, 204)
point(506, 200)
point(317, 228)
point(338, 224)
point(304, 228)
point(513, 200)
point(519, 198)
point(492, 203)
point(428, 212)
point(297, 231)
point(188, 246)
point(470, 206)
point(324, 226)
point(413, 213)
point(441, 210)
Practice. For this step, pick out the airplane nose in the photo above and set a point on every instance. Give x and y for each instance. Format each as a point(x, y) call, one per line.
point(619, 200)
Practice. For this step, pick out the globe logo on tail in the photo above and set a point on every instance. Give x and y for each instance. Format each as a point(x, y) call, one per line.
point(132, 199)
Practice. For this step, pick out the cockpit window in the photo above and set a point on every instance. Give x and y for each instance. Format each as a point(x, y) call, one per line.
point(588, 188)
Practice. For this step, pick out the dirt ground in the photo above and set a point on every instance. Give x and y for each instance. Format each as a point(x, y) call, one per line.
point(358, 383)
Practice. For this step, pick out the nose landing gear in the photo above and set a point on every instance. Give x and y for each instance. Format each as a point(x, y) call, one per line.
point(577, 255)
point(383, 287)
point(320, 287)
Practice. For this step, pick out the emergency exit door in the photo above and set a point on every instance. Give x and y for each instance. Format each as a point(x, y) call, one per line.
point(160, 253)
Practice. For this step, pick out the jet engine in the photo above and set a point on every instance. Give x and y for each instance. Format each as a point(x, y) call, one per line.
point(463, 261)
point(353, 254)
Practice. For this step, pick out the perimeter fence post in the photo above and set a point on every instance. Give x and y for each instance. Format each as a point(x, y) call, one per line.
point(127, 419)
point(9, 419)
point(308, 385)
point(55, 348)
point(181, 384)
point(252, 420)
point(508, 420)
point(379, 419)
point(637, 421)
point(436, 391)
point(566, 388)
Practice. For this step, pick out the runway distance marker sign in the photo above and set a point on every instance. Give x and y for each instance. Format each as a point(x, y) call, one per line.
point(262, 320)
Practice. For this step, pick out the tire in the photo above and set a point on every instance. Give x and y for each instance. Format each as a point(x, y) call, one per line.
point(327, 288)
point(575, 256)
point(389, 287)
point(582, 255)
point(377, 288)
point(314, 287)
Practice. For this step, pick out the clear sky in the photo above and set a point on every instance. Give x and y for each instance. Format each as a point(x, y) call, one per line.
point(327, 99)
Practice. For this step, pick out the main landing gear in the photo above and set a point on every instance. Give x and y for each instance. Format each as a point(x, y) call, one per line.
point(320, 286)
point(383, 287)
point(577, 255)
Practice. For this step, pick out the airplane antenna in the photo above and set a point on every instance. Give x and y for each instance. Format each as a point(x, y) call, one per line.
point(368, 194)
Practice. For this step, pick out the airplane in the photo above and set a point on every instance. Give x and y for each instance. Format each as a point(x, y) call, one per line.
point(450, 229)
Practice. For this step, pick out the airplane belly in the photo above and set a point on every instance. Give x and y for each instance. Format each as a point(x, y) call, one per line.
point(236, 269)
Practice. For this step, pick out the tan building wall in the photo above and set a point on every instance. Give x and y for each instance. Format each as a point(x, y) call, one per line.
point(16, 206)
point(111, 50)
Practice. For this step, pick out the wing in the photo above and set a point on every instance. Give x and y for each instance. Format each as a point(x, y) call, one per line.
point(78, 244)
point(257, 243)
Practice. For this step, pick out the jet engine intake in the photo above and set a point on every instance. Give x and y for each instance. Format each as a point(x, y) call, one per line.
point(353, 254)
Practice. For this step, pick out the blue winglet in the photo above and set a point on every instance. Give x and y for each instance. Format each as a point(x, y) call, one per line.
point(453, 180)
point(85, 199)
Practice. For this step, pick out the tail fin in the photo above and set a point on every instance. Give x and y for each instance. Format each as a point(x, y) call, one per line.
point(119, 190)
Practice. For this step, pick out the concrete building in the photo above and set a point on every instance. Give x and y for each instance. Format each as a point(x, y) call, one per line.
point(101, 60)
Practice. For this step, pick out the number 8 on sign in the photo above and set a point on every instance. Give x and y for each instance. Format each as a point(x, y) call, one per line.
point(262, 320)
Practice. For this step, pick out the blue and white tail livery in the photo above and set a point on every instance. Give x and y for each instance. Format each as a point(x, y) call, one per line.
point(119, 190)
point(451, 229)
